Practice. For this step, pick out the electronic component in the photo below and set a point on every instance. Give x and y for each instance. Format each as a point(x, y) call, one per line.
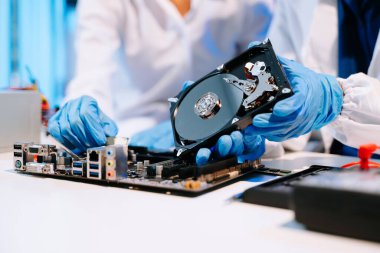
point(79, 168)
point(343, 202)
point(327, 199)
point(116, 161)
point(19, 156)
point(227, 99)
point(27, 156)
point(45, 168)
point(96, 163)
point(64, 164)
point(278, 192)
point(114, 165)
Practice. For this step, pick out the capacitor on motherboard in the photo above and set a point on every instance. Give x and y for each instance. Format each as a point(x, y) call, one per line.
point(146, 163)
point(159, 169)
point(139, 166)
point(134, 157)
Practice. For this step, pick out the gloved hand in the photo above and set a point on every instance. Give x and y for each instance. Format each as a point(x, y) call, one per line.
point(245, 144)
point(317, 100)
point(158, 138)
point(80, 124)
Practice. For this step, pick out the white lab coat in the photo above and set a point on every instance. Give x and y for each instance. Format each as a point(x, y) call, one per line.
point(307, 31)
point(132, 55)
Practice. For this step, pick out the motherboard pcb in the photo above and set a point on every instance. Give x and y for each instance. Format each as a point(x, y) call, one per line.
point(133, 168)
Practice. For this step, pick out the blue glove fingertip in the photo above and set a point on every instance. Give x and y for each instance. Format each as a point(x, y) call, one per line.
point(254, 43)
point(255, 147)
point(187, 84)
point(237, 143)
point(224, 145)
point(203, 155)
point(111, 130)
point(261, 120)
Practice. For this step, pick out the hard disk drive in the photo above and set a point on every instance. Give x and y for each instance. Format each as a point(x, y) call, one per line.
point(227, 99)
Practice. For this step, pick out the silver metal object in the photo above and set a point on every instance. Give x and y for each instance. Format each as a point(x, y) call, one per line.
point(208, 105)
point(20, 113)
point(117, 141)
point(180, 151)
point(256, 68)
point(247, 86)
point(159, 169)
point(234, 120)
point(46, 168)
point(134, 158)
point(140, 166)
point(173, 100)
point(253, 88)
point(262, 86)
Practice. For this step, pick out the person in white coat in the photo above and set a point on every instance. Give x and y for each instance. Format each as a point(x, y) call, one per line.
point(132, 55)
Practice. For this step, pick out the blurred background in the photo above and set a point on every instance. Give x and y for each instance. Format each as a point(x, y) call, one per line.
point(37, 44)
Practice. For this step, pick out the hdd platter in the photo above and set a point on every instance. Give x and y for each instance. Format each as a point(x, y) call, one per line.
point(227, 99)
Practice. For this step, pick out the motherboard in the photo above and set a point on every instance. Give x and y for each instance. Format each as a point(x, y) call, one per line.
point(133, 168)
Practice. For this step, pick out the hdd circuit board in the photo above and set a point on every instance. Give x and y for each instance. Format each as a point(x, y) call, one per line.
point(132, 168)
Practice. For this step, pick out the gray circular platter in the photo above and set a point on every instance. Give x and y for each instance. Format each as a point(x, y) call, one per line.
point(191, 126)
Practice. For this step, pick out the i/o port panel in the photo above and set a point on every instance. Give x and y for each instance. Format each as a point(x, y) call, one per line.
point(133, 168)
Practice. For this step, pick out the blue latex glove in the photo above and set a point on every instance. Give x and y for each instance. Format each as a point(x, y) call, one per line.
point(80, 124)
point(245, 144)
point(317, 100)
point(158, 138)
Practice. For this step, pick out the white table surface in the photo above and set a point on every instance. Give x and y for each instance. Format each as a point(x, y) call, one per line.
point(49, 215)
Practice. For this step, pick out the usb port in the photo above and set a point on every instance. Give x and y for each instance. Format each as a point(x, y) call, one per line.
point(94, 166)
point(77, 164)
point(17, 146)
point(17, 154)
point(94, 174)
point(77, 172)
